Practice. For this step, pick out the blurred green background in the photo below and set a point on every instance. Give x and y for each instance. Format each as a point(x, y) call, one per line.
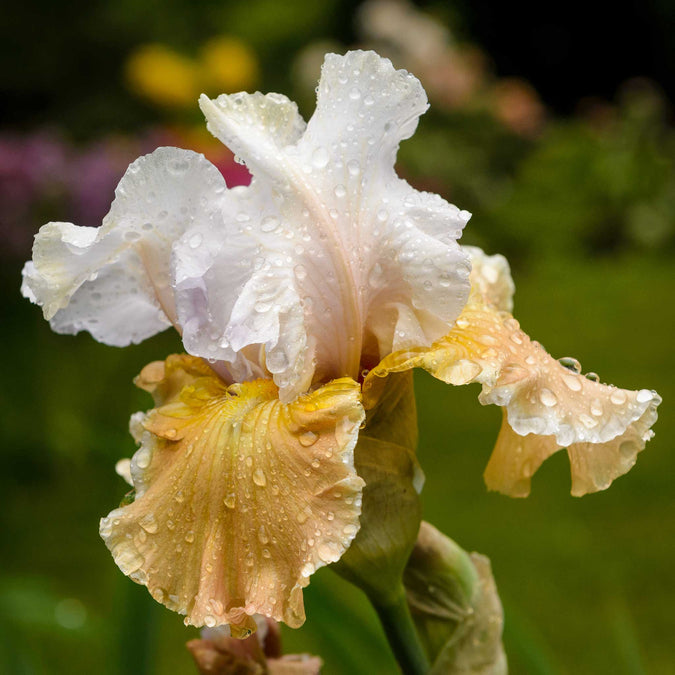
point(568, 165)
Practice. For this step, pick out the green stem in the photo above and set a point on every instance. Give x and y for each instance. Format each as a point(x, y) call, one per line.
point(401, 635)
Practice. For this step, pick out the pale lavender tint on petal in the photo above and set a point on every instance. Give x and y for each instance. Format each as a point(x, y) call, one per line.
point(326, 226)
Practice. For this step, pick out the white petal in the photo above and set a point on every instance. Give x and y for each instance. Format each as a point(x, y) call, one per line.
point(115, 281)
point(374, 263)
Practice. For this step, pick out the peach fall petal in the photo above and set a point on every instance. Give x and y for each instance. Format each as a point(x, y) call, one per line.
point(239, 498)
point(548, 404)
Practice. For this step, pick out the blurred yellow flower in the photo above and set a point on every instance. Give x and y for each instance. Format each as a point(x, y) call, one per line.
point(160, 75)
point(228, 65)
point(163, 76)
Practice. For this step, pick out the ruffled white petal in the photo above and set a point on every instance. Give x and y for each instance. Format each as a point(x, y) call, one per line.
point(115, 281)
point(375, 264)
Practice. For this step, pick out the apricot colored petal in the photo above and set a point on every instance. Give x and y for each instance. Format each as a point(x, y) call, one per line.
point(548, 404)
point(240, 498)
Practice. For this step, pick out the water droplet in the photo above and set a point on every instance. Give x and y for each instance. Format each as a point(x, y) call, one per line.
point(190, 537)
point(596, 408)
point(142, 458)
point(618, 397)
point(354, 94)
point(195, 240)
point(262, 535)
point(320, 157)
point(350, 530)
point(316, 463)
point(587, 421)
point(269, 224)
point(570, 363)
point(328, 552)
point(209, 621)
point(302, 516)
point(307, 570)
point(548, 398)
point(644, 396)
point(340, 191)
point(308, 438)
point(300, 272)
point(382, 215)
point(572, 382)
point(353, 167)
point(230, 501)
point(132, 235)
point(259, 478)
point(593, 377)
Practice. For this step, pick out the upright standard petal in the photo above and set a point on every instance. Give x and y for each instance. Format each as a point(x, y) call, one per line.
point(548, 404)
point(239, 498)
point(372, 264)
point(115, 281)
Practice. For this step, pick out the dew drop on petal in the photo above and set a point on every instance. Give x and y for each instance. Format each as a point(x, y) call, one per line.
point(618, 397)
point(269, 224)
point(308, 438)
point(262, 535)
point(149, 523)
point(548, 398)
point(587, 421)
point(230, 501)
point(320, 157)
point(259, 478)
point(572, 382)
point(644, 396)
point(142, 458)
point(570, 363)
point(353, 167)
point(340, 190)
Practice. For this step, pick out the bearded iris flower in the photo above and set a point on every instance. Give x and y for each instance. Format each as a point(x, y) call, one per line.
point(297, 298)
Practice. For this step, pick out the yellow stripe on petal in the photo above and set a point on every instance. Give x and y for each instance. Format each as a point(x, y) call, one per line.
point(548, 404)
point(240, 498)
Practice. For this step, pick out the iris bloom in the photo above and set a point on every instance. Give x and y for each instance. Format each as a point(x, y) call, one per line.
point(296, 297)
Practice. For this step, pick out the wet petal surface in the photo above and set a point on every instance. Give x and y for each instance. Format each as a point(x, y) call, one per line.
point(240, 498)
point(548, 403)
point(370, 263)
point(115, 281)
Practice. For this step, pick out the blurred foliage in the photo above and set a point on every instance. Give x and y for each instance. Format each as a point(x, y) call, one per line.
point(583, 206)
